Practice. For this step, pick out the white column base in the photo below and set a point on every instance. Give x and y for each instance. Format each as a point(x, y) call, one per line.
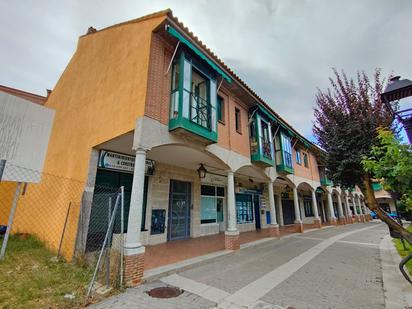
point(133, 250)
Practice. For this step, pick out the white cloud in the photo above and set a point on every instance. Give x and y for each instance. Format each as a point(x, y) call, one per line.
point(283, 49)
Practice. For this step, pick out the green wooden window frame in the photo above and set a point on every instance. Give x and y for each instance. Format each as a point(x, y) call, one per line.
point(185, 106)
point(286, 149)
point(305, 159)
point(220, 109)
point(298, 157)
point(260, 140)
point(238, 121)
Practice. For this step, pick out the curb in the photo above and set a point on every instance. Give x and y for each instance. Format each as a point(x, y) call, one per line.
point(397, 291)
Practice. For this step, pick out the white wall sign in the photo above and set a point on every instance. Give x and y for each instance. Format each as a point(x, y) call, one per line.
point(214, 179)
point(25, 129)
point(116, 161)
point(121, 162)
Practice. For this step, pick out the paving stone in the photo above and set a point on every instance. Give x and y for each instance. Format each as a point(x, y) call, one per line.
point(138, 298)
point(343, 276)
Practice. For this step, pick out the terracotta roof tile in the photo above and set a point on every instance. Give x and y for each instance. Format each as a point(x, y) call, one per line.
point(35, 98)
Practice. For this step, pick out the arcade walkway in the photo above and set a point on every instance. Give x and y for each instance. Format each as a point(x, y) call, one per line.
point(179, 250)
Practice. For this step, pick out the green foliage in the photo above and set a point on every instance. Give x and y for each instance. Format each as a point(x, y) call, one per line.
point(31, 278)
point(346, 119)
point(402, 252)
point(391, 161)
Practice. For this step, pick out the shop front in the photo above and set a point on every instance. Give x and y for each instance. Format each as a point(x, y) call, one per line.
point(114, 170)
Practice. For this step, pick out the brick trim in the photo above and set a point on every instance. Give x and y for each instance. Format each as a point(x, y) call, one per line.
point(333, 221)
point(232, 242)
point(133, 269)
point(274, 231)
point(299, 227)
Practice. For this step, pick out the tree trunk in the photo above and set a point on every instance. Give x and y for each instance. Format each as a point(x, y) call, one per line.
point(373, 205)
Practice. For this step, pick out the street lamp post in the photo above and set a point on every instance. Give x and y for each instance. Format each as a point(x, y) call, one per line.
point(396, 90)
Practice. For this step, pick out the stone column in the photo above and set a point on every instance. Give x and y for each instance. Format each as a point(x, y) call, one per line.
point(355, 210)
point(332, 218)
point(340, 211)
point(232, 233)
point(274, 227)
point(298, 220)
point(133, 249)
point(280, 209)
point(348, 211)
point(317, 220)
point(361, 214)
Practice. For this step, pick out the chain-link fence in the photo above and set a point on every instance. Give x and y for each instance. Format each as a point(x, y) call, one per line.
point(74, 222)
point(104, 243)
point(47, 209)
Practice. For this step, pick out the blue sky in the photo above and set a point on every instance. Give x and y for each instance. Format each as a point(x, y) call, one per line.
point(283, 49)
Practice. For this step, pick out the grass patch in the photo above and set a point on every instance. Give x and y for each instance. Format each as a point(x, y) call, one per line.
point(402, 252)
point(31, 278)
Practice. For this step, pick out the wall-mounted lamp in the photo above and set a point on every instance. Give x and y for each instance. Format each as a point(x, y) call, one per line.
point(201, 171)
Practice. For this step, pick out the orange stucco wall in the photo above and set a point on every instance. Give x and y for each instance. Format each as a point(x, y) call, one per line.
point(98, 97)
point(311, 172)
point(229, 138)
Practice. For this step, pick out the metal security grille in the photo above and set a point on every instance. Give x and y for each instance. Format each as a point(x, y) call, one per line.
point(200, 111)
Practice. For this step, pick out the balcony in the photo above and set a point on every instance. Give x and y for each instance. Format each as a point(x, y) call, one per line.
point(284, 153)
point(261, 145)
point(286, 165)
point(325, 181)
point(193, 102)
point(376, 186)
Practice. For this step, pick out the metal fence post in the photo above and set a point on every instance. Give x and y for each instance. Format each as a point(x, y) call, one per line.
point(64, 230)
point(122, 234)
point(10, 222)
point(108, 246)
point(103, 247)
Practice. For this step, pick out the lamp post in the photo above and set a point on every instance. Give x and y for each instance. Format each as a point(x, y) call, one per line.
point(396, 90)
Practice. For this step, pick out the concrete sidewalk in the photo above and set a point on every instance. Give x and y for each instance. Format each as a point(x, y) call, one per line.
point(329, 268)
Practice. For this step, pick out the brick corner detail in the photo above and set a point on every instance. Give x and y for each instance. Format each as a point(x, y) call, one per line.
point(299, 227)
point(274, 231)
point(133, 269)
point(232, 242)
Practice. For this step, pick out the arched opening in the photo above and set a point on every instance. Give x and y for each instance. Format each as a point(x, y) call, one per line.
point(335, 202)
point(251, 194)
point(283, 190)
point(306, 208)
point(188, 190)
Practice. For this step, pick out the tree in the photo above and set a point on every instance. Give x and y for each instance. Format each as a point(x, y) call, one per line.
point(347, 117)
point(391, 162)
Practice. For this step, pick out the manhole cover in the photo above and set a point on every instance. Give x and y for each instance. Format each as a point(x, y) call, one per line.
point(165, 292)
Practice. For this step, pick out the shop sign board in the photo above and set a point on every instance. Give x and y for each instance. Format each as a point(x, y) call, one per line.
point(121, 162)
point(116, 161)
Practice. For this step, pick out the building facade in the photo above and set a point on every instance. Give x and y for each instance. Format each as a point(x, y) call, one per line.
point(146, 105)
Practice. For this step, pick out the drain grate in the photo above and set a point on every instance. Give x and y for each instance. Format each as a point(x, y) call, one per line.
point(165, 292)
